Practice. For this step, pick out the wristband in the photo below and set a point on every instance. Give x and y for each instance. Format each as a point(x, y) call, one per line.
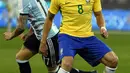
point(104, 28)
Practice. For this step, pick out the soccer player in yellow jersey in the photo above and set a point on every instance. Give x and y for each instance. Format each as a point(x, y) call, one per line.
point(76, 36)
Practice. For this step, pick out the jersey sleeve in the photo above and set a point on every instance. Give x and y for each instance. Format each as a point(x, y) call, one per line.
point(97, 6)
point(54, 7)
point(23, 8)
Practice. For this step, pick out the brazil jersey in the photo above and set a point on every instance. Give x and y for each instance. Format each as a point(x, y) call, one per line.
point(76, 15)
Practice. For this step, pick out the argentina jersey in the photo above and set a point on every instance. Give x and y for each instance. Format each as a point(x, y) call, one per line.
point(37, 12)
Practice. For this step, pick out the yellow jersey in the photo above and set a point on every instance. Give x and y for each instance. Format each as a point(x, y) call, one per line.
point(76, 15)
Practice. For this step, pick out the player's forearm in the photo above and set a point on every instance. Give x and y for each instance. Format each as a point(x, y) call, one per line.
point(100, 19)
point(20, 28)
point(47, 26)
point(46, 29)
point(17, 32)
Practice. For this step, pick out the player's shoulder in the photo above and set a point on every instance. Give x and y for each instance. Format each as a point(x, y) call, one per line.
point(58, 1)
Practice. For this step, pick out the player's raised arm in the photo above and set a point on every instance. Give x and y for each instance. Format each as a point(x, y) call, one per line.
point(22, 20)
point(101, 24)
point(100, 19)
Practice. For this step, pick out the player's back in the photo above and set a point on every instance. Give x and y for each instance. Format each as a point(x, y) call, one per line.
point(37, 12)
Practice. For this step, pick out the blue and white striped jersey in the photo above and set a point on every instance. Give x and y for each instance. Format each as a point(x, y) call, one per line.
point(37, 12)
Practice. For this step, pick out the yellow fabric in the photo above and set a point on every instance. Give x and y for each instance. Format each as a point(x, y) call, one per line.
point(76, 15)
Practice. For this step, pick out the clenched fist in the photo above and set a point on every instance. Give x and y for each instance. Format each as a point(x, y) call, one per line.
point(104, 32)
point(8, 35)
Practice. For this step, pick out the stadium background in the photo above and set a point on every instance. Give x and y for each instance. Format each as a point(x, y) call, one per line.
point(117, 17)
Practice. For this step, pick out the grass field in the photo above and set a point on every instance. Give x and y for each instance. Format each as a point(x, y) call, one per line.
point(118, 41)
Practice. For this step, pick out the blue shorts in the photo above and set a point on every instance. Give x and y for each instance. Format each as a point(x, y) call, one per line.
point(91, 49)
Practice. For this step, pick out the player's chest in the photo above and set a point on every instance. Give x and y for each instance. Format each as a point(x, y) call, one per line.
point(77, 6)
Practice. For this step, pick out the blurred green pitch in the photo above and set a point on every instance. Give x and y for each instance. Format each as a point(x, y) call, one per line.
point(118, 41)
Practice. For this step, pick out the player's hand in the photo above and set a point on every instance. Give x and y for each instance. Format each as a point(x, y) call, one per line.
point(8, 35)
point(43, 49)
point(104, 32)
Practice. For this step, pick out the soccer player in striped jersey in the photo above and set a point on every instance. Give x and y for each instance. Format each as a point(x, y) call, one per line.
point(36, 11)
point(76, 36)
